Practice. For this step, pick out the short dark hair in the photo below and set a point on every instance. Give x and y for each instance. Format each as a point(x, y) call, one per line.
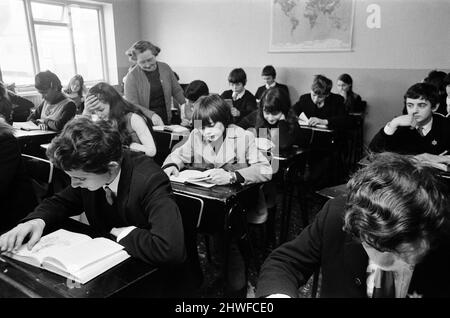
point(212, 108)
point(274, 100)
point(395, 200)
point(423, 91)
point(446, 80)
point(45, 80)
point(321, 85)
point(269, 70)
point(195, 90)
point(86, 145)
point(140, 47)
point(237, 76)
point(436, 78)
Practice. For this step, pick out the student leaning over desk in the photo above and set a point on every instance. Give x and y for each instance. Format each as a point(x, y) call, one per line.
point(123, 193)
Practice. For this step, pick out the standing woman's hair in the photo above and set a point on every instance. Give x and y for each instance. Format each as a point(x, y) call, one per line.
point(119, 107)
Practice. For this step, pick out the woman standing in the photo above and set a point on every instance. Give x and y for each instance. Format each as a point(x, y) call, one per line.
point(150, 83)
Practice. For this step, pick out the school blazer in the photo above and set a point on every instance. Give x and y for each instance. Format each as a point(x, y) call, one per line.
point(17, 197)
point(343, 262)
point(238, 152)
point(144, 199)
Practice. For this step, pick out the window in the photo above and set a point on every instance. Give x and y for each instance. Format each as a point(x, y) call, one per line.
point(65, 38)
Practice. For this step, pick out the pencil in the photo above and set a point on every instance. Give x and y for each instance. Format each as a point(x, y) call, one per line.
point(441, 154)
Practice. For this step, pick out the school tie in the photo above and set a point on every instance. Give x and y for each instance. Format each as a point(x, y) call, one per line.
point(420, 131)
point(384, 284)
point(109, 195)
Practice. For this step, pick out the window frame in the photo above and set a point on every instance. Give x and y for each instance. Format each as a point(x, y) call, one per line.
point(67, 6)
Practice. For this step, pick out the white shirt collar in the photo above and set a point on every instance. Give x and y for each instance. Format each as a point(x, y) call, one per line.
point(239, 96)
point(114, 184)
point(271, 85)
point(427, 128)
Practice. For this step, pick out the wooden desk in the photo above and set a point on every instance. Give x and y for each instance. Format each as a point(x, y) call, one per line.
point(129, 278)
point(30, 140)
point(164, 141)
point(290, 162)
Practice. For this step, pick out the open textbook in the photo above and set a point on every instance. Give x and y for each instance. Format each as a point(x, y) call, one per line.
point(72, 255)
point(26, 125)
point(303, 120)
point(194, 177)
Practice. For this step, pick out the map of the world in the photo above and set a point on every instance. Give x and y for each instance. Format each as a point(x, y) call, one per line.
point(311, 25)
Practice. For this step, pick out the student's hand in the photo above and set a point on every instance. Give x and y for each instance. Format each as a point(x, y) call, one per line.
point(403, 121)
point(13, 239)
point(92, 105)
point(314, 121)
point(235, 112)
point(157, 120)
point(185, 122)
point(219, 176)
point(172, 170)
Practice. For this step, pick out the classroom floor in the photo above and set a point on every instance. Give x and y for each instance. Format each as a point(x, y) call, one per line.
point(213, 284)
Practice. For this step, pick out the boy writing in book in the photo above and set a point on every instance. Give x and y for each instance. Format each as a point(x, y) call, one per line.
point(123, 193)
point(418, 131)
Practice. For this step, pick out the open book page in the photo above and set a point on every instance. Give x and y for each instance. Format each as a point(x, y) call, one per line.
point(48, 245)
point(303, 120)
point(193, 176)
point(89, 272)
point(264, 144)
point(27, 125)
point(80, 256)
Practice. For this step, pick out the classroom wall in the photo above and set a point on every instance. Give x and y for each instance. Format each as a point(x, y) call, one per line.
point(205, 39)
point(127, 30)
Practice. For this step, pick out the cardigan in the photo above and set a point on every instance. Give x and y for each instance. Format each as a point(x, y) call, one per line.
point(137, 87)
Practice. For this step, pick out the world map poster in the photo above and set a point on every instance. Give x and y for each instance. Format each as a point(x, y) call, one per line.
point(311, 25)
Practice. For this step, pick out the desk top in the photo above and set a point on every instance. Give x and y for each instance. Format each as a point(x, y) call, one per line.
point(218, 193)
point(316, 128)
point(36, 282)
point(332, 192)
point(19, 133)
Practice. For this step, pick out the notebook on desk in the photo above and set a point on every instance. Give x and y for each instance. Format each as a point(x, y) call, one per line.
point(172, 128)
point(303, 120)
point(195, 177)
point(27, 125)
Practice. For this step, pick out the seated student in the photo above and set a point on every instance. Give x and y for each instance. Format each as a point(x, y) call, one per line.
point(76, 91)
point(232, 157)
point(322, 108)
point(6, 107)
point(268, 75)
point(352, 101)
point(392, 227)
point(274, 111)
point(20, 107)
point(106, 103)
point(193, 92)
point(17, 197)
point(123, 193)
point(243, 101)
point(436, 78)
point(56, 109)
point(419, 131)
